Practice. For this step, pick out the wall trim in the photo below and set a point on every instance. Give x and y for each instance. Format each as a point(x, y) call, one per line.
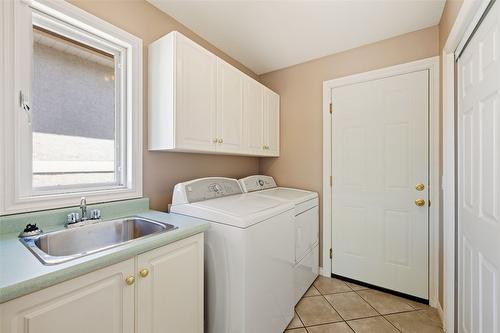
point(440, 312)
point(431, 64)
point(467, 18)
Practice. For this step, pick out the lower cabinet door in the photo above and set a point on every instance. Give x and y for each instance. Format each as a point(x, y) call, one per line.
point(170, 288)
point(98, 302)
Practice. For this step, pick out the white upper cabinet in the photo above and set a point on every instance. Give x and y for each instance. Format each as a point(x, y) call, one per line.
point(229, 108)
point(182, 95)
point(271, 122)
point(199, 103)
point(253, 107)
point(195, 95)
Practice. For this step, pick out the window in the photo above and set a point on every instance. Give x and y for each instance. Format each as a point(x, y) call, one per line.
point(75, 114)
point(77, 124)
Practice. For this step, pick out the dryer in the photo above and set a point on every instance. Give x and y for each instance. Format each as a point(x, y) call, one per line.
point(249, 255)
point(306, 226)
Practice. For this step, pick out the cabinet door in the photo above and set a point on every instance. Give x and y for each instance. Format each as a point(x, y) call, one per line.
point(98, 302)
point(195, 96)
point(170, 297)
point(253, 113)
point(229, 108)
point(271, 123)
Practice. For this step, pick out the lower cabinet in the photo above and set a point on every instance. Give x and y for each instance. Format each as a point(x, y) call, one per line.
point(157, 291)
point(170, 297)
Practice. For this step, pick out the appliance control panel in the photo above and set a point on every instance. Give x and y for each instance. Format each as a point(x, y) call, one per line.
point(257, 183)
point(208, 188)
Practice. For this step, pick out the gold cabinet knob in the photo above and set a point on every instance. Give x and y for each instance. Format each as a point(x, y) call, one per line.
point(420, 202)
point(221, 141)
point(130, 280)
point(143, 272)
point(215, 140)
point(420, 187)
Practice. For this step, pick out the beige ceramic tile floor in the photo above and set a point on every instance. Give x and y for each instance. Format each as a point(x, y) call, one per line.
point(335, 306)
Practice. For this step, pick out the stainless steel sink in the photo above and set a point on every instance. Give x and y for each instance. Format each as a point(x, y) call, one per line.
point(61, 246)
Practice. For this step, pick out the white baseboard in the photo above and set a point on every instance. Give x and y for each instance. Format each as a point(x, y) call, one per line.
point(323, 273)
point(441, 314)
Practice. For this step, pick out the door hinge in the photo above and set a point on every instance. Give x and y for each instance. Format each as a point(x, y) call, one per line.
point(331, 108)
point(331, 254)
point(429, 203)
point(331, 180)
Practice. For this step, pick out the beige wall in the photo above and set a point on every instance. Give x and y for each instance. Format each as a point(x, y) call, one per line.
point(449, 16)
point(163, 170)
point(450, 12)
point(300, 88)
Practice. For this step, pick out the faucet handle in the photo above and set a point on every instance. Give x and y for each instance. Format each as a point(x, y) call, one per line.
point(73, 218)
point(95, 214)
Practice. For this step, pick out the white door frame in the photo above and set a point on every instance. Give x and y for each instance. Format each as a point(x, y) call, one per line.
point(467, 19)
point(431, 64)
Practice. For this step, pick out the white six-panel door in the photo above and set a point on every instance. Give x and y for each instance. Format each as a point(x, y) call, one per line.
point(379, 155)
point(479, 180)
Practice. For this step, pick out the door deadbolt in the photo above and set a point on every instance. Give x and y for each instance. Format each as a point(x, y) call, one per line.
point(420, 187)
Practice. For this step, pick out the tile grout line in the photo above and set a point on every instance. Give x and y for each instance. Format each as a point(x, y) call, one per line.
point(390, 323)
point(322, 295)
point(387, 314)
point(303, 325)
point(345, 321)
point(385, 317)
point(378, 314)
point(377, 311)
point(352, 329)
point(332, 304)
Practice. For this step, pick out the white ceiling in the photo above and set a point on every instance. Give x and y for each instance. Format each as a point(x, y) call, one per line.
point(269, 35)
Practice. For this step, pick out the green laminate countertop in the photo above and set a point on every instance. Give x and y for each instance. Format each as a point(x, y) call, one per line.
point(22, 273)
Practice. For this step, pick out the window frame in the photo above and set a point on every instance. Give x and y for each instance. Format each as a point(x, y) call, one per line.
point(16, 191)
point(74, 33)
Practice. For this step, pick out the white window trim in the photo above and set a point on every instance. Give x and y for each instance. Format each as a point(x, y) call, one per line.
point(10, 199)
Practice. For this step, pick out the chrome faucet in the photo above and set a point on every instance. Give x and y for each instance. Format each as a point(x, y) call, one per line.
point(75, 219)
point(83, 208)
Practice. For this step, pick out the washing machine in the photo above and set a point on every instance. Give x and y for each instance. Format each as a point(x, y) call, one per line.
point(249, 255)
point(306, 226)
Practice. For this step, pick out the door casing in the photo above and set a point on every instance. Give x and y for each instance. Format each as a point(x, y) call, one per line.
point(431, 64)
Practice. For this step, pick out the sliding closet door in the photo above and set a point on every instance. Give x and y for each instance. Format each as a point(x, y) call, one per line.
point(479, 179)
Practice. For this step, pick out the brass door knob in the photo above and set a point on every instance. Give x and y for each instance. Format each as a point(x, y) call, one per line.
point(221, 140)
point(130, 280)
point(420, 187)
point(420, 202)
point(215, 140)
point(143, 272)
